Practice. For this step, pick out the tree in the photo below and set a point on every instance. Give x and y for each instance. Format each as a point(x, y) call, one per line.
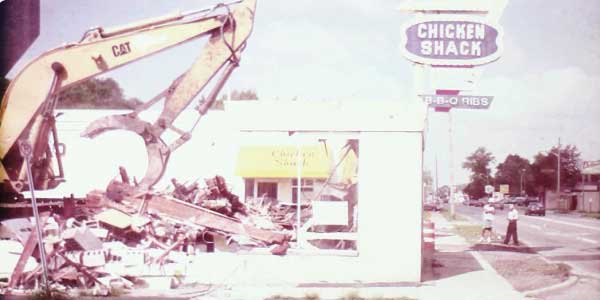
point(545, 165)
point(478, 162)
point(243, 95)
point(516, 172)
point(95, 93)
point(443, 192)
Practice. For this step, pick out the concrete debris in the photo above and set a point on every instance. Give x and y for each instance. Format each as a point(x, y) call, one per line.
point(121, 237)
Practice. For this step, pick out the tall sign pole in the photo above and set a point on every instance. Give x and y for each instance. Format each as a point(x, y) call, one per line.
point(451, 164)
point(448, 43)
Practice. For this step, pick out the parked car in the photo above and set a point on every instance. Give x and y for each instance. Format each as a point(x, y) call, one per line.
point(535, 208)
point(477, 202)
point(520, 201)
point(432, 206)
point(529, 200)
point(498, 204)
point(510, 200)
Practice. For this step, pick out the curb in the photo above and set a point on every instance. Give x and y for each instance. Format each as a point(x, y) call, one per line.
point(567, 283)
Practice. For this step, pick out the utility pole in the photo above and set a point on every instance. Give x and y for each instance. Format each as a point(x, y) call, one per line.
point(521, 181)
point(558, 171)
point(451, 165)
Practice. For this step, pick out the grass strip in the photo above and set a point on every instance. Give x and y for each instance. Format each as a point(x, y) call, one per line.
point(592, 215)
point(457, 217)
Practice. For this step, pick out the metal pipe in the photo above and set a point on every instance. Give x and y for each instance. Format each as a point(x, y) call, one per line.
point(25, 149)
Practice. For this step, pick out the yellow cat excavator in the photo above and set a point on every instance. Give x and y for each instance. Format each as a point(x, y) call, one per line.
point(27, 119)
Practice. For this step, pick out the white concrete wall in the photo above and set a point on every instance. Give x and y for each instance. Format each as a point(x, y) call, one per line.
point(389, 205)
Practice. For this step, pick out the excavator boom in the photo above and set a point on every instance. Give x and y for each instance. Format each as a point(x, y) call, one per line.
point(27, 112)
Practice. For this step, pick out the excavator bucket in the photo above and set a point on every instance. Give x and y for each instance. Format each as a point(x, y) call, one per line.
point(157, 150)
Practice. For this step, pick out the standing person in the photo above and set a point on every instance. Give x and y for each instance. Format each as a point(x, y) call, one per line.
point(511, 230)
point(488, 219)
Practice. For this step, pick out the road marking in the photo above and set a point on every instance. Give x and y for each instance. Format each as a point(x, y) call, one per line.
point(535, 226)
point(571, 224)
point(587, 240)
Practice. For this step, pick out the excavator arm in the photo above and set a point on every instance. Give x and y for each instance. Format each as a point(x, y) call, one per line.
point(27, 112)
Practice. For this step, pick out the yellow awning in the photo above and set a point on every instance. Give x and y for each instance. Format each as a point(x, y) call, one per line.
point(280, 162)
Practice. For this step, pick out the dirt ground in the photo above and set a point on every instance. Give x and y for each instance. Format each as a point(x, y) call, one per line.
point(526, 271)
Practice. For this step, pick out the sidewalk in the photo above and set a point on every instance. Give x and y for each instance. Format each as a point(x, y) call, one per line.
point(458, 273)
point(463, 273)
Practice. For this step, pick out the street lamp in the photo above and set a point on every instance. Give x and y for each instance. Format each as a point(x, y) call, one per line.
point(557, 172)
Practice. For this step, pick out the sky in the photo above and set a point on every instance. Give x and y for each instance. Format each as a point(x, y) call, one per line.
point(545, 84)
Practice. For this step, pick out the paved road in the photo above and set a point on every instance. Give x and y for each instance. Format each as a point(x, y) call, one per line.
point(561, 238)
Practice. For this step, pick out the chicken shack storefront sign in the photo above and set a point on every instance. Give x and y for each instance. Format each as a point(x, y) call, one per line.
point(451, 40)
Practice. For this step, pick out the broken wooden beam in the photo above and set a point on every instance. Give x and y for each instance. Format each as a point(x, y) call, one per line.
point(204, 217)
point(160, 258)
point(82, 269)
point(38, 270)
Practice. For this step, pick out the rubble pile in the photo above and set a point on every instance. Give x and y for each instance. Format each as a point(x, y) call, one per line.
point(116, 235)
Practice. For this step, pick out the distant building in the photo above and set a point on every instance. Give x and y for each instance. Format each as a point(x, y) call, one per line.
point(585, 196)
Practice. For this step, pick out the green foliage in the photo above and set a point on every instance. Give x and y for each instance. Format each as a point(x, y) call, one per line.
point(243, 95)
point(569, 172)
point(218, 105)
point(443, 192)
point(95, 93)
point(593, 215)
point(478, 162)
point(470, 232)
point(512, 171)
point(456, 217)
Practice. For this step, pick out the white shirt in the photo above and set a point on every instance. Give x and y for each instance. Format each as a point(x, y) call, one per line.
point(513, 214)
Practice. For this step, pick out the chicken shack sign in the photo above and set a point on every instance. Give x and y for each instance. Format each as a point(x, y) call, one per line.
point(451, 40)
